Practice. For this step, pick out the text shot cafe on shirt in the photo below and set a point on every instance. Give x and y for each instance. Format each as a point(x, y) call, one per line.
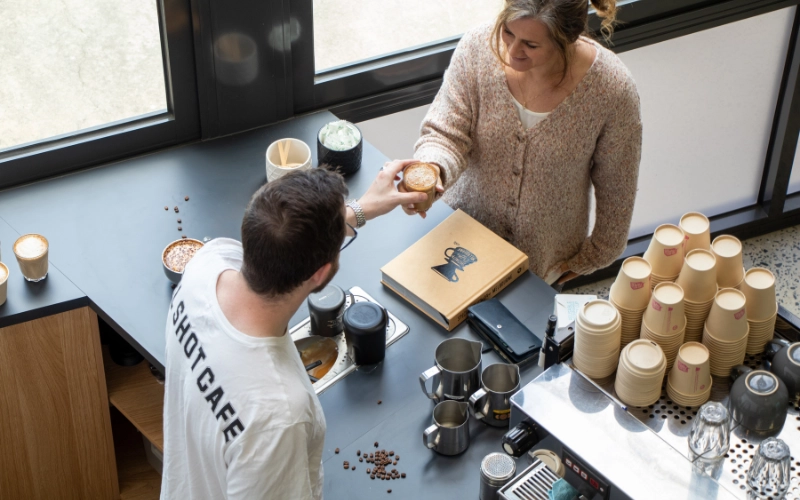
point(247, 297)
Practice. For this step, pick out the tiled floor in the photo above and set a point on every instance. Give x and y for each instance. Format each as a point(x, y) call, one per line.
point(779, 252)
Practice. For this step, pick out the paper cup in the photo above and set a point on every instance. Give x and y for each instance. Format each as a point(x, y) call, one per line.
point(698, 277)
point(598, 314)
point(3, 283)
point(298, 158)
point(665, 314)
point(727, 319)
point(665, 253)
point(691, 373)
point(759, 289)
point(697, 231)
point(730, 268)
point(631, 289)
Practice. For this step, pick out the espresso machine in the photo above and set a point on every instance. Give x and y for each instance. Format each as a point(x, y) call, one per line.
point(612, 451)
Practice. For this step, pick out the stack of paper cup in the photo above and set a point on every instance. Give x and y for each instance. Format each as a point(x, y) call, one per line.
point(664, 321)
point(698, 279)
point(665, 254)
point(630, 294)
point(762, 307)
point(640, 373)
point(726, 330)
point(597, 337)
point(730, 268)
point(697, 231)
point(689, 381)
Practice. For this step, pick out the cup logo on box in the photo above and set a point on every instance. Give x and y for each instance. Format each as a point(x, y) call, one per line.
point(637, 285)
point(669, 252)
point(457, 259)
point(739, 314)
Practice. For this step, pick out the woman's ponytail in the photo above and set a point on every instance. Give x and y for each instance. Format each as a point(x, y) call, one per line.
point(607, 10)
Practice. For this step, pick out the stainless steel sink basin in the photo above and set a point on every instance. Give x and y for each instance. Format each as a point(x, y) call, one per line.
point(336, 364)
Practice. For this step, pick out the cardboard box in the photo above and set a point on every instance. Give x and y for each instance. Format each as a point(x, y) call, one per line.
point(458, 264)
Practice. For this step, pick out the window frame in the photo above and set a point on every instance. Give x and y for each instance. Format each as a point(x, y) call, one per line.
point(128, 137)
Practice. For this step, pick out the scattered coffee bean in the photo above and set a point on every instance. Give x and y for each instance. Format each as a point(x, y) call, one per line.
point(186, 198)
point(179, 221)
point(183, 236)
point(353, 467)
point(394, 463)
point(176, 209)
point(361, 459)
point(358, 453)
point(372, 476)
point(376, 444)
point(336, 451)
point(379, 401)
point(180, 228)
point(388, 491)
point(368, 470)
point(403, 475)
point(391, 453)
point(166, 207)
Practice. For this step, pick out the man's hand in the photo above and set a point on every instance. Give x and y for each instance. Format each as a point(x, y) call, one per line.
point(409, 208)
point(382, 196)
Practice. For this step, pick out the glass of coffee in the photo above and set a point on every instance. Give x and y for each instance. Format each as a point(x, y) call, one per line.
point(3, 283)
point(31, 252)
point(421, 178)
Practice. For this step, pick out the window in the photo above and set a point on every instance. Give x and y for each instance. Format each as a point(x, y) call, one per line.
point(350, 31)
point(76, 66)
point(88, 82)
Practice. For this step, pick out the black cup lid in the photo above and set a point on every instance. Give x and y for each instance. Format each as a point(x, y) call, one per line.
point(330, 298)
point(762, 382)
point(364, 316)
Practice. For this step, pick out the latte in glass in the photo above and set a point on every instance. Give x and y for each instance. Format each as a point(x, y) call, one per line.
point(31, 251)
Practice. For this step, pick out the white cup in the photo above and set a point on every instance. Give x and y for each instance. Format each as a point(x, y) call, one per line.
point(298, 157)
point(3, 283)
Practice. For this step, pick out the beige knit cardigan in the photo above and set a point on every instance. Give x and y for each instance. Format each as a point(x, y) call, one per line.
point(532, 186)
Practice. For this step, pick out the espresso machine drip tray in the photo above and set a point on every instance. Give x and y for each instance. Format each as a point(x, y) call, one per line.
point(332, 352)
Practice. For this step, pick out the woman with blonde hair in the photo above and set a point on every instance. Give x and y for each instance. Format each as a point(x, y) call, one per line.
point(531, 115)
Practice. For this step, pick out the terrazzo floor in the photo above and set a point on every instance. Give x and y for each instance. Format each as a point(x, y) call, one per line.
point(779, 252)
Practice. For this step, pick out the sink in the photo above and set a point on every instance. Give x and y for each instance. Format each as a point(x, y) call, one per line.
point(336, 364)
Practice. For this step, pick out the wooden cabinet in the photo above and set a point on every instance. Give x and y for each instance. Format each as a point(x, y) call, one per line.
point(55, 430)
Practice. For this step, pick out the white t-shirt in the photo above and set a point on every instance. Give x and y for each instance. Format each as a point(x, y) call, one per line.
point(241, 420)
point(526, 116)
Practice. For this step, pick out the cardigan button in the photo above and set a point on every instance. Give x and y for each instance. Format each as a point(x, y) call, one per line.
point(516, 170)
point(512, 203)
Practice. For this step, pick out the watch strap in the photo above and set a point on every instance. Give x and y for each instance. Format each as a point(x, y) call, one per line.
point(361, 219)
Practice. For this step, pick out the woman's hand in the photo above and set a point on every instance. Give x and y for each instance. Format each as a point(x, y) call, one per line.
point(409, 208)
point(567, 274)
point(382, 196)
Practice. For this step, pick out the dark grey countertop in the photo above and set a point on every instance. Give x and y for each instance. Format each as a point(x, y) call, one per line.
point(107, 228)
point(28, 301)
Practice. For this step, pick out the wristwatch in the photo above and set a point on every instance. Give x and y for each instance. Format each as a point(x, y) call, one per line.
point(361, 220)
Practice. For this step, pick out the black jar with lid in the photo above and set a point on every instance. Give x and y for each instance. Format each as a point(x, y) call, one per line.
point(325, 309)
point(365, 332)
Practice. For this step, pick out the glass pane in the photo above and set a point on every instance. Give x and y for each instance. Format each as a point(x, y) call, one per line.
point(346, 31)
point(69, 65)
point(708, 101)
point(794, 180)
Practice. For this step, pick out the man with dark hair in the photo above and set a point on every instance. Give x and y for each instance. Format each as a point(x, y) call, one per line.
point(241, 419)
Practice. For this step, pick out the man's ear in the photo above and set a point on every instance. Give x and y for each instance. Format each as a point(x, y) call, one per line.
point(321, 275)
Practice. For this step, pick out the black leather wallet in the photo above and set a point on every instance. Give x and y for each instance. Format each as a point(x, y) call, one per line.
point(495, 323)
